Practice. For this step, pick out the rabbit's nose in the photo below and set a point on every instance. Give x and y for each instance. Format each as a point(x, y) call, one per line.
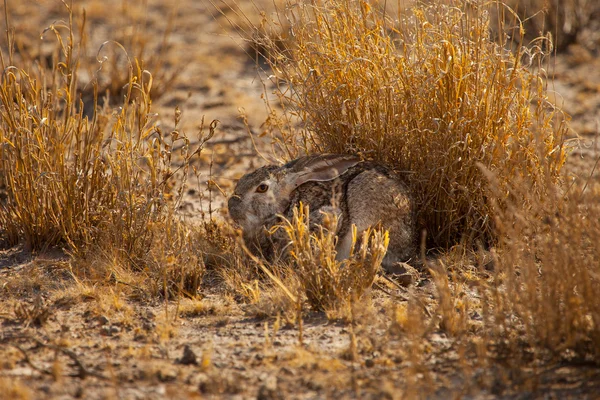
point(234, 205)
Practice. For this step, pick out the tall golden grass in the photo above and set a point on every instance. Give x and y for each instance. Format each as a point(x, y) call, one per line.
point(427, 92)
point(106, 181)
point(547, 282)
point(442, 93)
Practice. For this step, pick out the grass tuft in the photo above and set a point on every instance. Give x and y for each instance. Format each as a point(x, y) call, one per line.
point(104, 185)
point(329, 284)
point(547, 276)
point(427, 92)
point(76, 180)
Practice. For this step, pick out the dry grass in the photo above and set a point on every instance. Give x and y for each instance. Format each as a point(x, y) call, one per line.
point(310, 274)
point(547, 281)
point(331, 285)
point(16, 389)
point(466, 118)
point(134, 38)
point(104, 186)
point(63, 176)
point(427, 92)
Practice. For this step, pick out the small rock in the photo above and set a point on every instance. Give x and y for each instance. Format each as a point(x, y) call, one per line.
point(78, 394)
point(403, 274)
point(188, 358)
point(476, 316)
point(148, 326)
point(312, 385)
point(219, 384)
point(140, 337)
point(109, 330)
point(287, 371)
point(166, 375)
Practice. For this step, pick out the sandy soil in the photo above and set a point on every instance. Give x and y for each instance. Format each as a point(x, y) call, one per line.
point(219, 347)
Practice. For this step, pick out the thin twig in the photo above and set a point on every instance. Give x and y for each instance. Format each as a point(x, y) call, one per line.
point(266, 270)
point(405, 290)
point(29, 362)
point(398, 296)
point(82, 372)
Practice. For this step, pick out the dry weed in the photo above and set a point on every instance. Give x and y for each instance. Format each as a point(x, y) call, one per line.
point(546, 282)
point(15, 389)
point(427, 92)
point(329, 284)
point(104, 185)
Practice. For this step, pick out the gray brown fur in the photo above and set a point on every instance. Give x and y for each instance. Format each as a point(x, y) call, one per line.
point(364, 193)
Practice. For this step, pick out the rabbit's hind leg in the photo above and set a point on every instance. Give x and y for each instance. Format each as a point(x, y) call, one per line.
point(343, 247)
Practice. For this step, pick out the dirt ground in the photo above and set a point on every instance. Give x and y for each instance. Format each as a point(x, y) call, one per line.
point(76, 346)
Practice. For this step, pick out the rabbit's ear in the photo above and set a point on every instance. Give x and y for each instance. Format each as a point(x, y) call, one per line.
point(320, 168)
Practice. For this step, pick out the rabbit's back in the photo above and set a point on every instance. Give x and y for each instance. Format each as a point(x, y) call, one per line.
point(377, 196)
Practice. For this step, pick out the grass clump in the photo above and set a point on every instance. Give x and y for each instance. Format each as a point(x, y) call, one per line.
point(329, 284)
point(427, 92)
point(309, 273)
point(547, 276)
point(71, 178)
point(104, 186)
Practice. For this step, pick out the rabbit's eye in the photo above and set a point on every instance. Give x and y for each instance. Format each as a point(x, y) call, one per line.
point(263, 187)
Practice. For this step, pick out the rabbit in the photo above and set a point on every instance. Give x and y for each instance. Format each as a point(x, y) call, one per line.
point(363, 193)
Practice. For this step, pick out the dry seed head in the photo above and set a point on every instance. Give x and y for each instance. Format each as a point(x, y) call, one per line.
point(328, 283)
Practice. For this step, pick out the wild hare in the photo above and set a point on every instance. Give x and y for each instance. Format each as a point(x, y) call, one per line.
point(363, 193)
